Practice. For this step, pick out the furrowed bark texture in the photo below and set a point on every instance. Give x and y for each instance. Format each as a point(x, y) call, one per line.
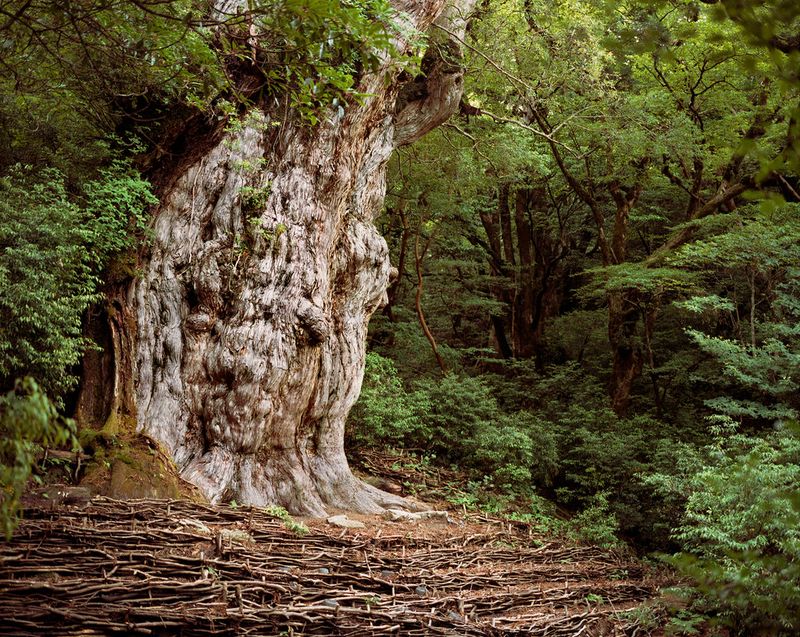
point(253, 306)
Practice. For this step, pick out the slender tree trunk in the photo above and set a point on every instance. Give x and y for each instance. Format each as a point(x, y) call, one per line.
point(418, 258)
point(623, 312)
point(246, 330)
point(524, 281)
point(498, 268)
point(394, 289)
point(628, 360)
point(538, 276)
point(504, 210)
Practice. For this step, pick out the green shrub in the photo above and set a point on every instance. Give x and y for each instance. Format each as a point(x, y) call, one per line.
point(455, 418)
point(741, 533)
point(52, 251)
point(518, 451)
point(46, 279)
point(459, 406)
point(601, 453)
point(28, 422)
point(595, 524)
point(385, 412)
point(115, 202)
point(549, 393)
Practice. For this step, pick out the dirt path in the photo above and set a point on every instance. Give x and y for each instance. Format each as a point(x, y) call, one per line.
point(163, 567)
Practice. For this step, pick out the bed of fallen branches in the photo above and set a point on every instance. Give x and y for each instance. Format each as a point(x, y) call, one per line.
point(177, 568)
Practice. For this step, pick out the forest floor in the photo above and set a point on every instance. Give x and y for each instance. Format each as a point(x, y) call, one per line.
point(174, 567)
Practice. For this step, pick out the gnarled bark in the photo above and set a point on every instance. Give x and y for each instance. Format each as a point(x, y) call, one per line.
point(252, 307)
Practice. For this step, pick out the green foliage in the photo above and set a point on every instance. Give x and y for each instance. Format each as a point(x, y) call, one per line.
point(685, 622)
point(634, 276)
point(54, 247)
point(254, 200)
point(74, 73)
point(29, 421)
point(73, 69)
point(385, 413)
point(460, 406)
point(298, 528)
point(456, 419)
point(116, 202)
point(760, 239)
point(46, 278)
point(514, 449)
point(518, 450)
point(739, 528)
point(763, 20)
point(759, 357)
point(600, 453)
point(741, 532)
point(321, 48)
point(595, 524)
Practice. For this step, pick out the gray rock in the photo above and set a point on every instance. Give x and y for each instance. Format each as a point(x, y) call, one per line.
point(396, 515)
point(344, 522)
point(236, 536)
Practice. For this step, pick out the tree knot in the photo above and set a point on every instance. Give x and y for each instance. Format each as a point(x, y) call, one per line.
point(313, 321)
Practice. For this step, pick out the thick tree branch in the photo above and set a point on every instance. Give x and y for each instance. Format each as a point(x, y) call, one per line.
point(429, 99)
point(686, 234)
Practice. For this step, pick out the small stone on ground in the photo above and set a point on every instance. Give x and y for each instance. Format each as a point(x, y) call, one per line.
point(396, 515)
point(344, 522)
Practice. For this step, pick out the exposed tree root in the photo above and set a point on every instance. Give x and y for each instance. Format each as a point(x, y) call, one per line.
point(163, 567)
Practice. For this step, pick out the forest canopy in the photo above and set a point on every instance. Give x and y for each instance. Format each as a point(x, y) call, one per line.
point(597, 310)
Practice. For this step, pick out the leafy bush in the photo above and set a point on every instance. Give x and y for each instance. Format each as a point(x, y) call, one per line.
point(46, 278)
point(741, 533)
point(595, 524)
point(602, 453)
point(385, 413)
point(550, 393)
point(518, 451)
point(52, 251)
point(28, 421)
point(515, 450)
point(455, 418)
point(116, 202)
point(741, 543)
point(755, 364)
point(459, 407)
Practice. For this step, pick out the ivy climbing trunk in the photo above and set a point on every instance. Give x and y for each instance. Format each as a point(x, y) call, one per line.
point(252, 306)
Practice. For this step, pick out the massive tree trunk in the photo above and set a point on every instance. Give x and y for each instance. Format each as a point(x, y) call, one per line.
point(252, 306)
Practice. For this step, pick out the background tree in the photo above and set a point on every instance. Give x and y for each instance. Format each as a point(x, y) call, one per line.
point(596, 150)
